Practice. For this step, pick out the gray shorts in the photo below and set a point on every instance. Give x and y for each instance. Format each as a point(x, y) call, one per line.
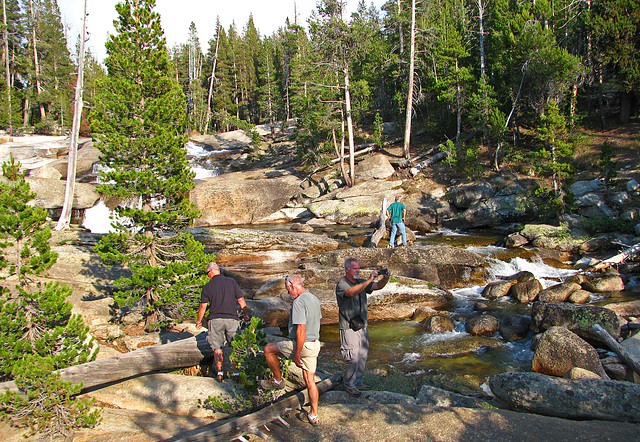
point(221, 330)
point(308, 355)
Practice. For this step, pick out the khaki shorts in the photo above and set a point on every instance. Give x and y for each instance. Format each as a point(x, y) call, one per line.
point(221, 331)
point(308, 355)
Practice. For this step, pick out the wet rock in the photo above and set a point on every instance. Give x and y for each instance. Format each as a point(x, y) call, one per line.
point(559, 350)
point(515, 240)
point(298, 227)
point(514, 327)
point(375, 167)
point(632, 186)
point(559, 292)
point(579, 297)
point(497, 289)
point(439, 324)
point(605, 284)
point(526, 291)
point(571, 399)
point(580, 373)
point(577, 318)
point(421, 314)
point(458, 347)
point(482, 325)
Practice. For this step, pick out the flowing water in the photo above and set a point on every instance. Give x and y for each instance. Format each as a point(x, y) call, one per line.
point(402, 355)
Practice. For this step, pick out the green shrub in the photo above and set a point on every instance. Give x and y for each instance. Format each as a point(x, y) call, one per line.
point(605, 224)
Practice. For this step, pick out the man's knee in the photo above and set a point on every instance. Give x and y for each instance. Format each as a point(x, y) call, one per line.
point(272, 348)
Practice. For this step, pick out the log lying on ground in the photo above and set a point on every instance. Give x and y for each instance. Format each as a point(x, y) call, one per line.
point(617, 348)
point(619, 258)
point(250, 423)
point(429, 161)
point(179, 354)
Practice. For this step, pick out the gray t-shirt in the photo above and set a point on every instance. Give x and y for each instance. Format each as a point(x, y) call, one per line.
point(350, 307)
point(305, 310)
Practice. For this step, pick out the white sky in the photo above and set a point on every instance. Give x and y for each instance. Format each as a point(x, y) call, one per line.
point(177, 15)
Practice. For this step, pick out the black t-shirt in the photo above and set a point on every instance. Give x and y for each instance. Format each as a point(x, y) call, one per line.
point(221, 293)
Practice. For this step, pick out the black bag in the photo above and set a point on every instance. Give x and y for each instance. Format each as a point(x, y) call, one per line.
point(356, 323)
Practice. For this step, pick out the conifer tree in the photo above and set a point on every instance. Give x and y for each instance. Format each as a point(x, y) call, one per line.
point(140, 120)
point(38, 332)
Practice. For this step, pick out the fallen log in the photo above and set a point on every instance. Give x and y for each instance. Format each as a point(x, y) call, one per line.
point(619, 258)
point(179, 354)
point(429, 161)
point(251, 423)
point(617, 348)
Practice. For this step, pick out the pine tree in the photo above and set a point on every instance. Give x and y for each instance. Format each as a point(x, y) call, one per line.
point(38, 332)
point(140, 120)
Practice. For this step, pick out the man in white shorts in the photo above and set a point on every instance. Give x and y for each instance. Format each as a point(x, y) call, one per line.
point(304, 329)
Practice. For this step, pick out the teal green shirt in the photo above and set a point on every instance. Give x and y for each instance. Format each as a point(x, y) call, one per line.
point(396, 211)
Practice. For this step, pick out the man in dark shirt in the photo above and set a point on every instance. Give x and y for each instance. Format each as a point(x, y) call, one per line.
point(351, 294)
point(222, 295)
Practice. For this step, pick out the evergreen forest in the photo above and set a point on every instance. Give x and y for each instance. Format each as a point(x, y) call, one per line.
point(489, 71)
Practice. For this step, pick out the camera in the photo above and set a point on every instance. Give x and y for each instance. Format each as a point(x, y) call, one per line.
point(383, 271)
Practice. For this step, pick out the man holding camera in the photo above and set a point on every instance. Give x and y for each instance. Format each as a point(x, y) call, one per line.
point(351, 294)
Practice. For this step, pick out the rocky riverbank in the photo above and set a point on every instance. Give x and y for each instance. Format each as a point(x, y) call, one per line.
point(421, 290)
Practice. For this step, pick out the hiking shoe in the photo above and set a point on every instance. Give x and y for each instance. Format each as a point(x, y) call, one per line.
point(353, 391)
point(303, 416)
point(363, 387)
point(219, 376)
point(271, 384)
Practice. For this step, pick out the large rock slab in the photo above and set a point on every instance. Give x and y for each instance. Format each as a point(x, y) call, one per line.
point(237, 244)
point(559, 350)
point(374, 167)
point(362, 201)
point(572, 399)
point(241, 197)
point(577, 318)
point(165, 393)
point(446, 266)
point(50, 193)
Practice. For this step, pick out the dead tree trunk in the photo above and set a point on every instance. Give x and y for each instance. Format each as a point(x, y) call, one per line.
point(5, 38)
point(617, 259)
point(178, 354)
point(213, 77)
point(617, 348)
point(406, 152)
point(251, 423)
point(382, 226)
point(67, 207)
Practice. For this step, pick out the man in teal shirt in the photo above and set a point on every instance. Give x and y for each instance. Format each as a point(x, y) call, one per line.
point(397, 213)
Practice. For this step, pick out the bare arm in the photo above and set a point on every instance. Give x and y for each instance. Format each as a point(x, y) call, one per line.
point(404, 214)
point(243, 306)
point(356, 289)
point(201, 310)
point(301, 334)
point(380, 284)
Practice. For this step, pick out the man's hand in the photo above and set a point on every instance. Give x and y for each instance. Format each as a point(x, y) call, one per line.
point(374, 275)
point(297, 360)
point(198, 325)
